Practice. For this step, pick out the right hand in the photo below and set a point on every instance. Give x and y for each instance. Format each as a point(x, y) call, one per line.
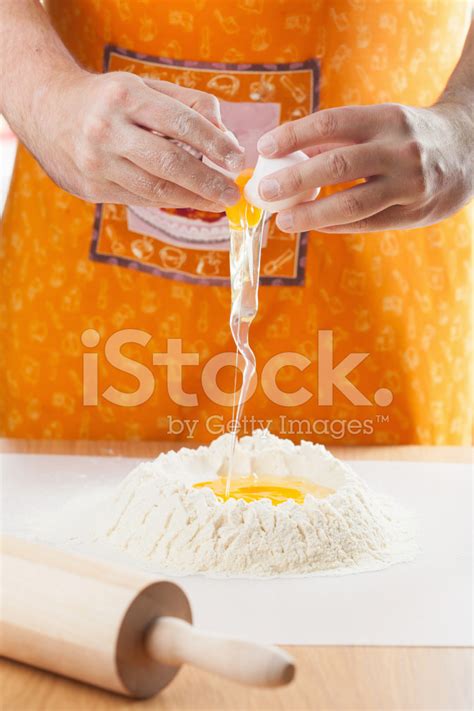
point(96, 137)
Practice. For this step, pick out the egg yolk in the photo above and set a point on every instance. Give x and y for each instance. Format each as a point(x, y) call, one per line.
point(243, 214)
point(278, 490)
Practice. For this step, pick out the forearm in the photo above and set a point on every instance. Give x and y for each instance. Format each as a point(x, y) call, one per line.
point(456, 104)
point(33, 61)
point(460, 87)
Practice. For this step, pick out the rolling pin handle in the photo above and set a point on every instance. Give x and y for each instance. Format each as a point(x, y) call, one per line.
point(172, 641)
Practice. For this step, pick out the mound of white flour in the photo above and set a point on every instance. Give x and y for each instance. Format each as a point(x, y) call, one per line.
point(157, 516)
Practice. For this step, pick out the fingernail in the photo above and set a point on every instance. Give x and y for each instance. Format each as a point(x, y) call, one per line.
point(285, 221)
point(269, 188)
point(230, 196)
point(234, 161)
point(266, 145)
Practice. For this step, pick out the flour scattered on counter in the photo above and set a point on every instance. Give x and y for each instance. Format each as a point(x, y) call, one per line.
point(157, 517)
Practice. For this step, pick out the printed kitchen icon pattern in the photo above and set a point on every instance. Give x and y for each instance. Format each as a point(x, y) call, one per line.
point(401, 297)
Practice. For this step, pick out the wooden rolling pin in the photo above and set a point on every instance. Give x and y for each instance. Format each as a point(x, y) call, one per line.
point(113, 627)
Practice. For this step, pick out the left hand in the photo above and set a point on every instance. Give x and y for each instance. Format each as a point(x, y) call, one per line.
point(416, 163)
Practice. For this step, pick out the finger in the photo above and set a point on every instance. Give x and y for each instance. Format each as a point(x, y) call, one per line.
point(115, 194)
point(121, 196)
point(330, 168)
point(393, 218)
point(345, 207)
point(170, 117)
point(312, 151)
point(165, 160)
point(206, 104)
point(154, 190)
point(347, 124)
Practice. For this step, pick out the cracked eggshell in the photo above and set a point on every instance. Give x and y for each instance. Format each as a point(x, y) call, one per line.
point(264, 168)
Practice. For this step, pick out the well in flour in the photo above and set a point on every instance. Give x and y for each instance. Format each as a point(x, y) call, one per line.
point(159, 516)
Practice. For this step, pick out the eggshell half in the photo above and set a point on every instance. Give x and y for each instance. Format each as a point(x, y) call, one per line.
point(267, 166)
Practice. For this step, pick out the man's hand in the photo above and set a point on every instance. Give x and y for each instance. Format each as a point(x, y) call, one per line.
point(416, 163)
point(102, 138)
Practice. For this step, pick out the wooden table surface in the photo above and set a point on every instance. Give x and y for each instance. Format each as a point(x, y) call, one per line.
point(328, 678)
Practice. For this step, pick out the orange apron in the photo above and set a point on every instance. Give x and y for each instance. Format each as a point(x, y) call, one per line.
point(78, 281)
